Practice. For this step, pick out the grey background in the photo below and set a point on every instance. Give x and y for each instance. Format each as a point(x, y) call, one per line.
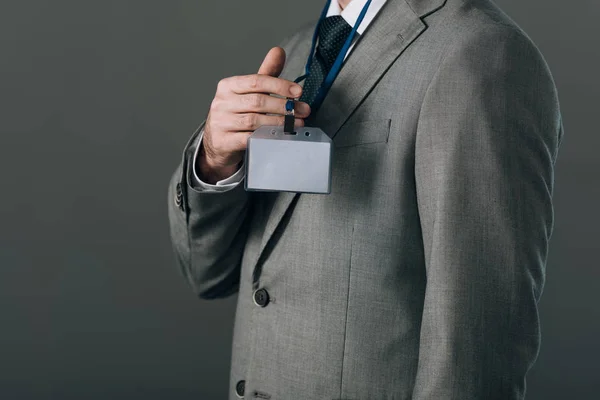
point(97, 99)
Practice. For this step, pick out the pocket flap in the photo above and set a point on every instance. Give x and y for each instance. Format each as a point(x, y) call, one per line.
point(362, 132)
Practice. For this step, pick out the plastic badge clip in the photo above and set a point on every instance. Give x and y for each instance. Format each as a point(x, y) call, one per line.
point(290, 116)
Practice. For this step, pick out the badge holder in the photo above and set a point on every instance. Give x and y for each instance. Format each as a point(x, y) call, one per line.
point(288, 159)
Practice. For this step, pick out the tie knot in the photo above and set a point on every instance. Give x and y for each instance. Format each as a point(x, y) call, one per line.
point(333, 33)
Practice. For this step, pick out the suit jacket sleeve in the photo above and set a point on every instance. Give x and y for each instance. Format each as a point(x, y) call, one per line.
point(487, 140)
point(208, 229)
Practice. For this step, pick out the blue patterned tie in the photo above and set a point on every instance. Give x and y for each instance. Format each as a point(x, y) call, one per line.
point(333, 33)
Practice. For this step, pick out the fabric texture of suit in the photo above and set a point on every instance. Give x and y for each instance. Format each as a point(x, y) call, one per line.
point(419, 276)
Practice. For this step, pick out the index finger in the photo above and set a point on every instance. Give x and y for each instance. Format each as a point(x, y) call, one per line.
point(257, 83)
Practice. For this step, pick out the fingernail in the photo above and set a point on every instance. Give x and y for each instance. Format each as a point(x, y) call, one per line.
point(296, 90)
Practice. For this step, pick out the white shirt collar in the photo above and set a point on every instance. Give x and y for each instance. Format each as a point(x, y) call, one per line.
point(352, 11)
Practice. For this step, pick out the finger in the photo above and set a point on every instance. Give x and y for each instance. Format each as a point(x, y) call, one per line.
point(264, 84)
point(273, 62)
point(250, 122)
point(263, 103)
point(238, 140)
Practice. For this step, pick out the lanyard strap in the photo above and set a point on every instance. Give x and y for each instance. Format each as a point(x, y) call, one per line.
point(337, 65)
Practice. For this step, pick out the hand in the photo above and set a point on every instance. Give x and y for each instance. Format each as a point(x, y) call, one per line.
point(239, 108)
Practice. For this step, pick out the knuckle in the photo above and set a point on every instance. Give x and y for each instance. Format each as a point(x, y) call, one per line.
point(254, 81)
point(255, 101)
point(222, 85)
point(258, 101)
point(247, 121)
point(215, 104)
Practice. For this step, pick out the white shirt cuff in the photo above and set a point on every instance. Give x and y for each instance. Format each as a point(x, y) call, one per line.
point(222, 185)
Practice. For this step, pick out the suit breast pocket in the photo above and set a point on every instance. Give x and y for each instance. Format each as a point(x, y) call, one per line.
point(362, 133)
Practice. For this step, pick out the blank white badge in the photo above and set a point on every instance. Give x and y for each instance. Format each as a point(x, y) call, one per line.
point(278, 161)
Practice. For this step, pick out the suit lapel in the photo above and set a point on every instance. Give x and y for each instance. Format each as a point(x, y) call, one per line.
point(396, 26)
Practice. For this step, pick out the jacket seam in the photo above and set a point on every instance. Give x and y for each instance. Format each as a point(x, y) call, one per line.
point(347, 312)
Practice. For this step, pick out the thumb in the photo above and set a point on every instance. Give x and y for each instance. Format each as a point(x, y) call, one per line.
point(273, 63)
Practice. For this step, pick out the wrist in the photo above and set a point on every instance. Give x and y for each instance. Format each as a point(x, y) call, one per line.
point(210, 172)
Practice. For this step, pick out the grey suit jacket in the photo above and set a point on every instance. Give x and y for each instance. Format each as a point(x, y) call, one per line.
point(419, 276)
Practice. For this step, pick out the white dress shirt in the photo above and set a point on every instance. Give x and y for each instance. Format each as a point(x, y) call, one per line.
point(350, 14)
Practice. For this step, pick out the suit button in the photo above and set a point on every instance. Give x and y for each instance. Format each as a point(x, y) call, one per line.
point(179, 196)
point(240, 387)
point(261, 297)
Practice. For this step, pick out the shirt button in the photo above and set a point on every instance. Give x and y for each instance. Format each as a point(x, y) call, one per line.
point(261, 297)
point(240, 387)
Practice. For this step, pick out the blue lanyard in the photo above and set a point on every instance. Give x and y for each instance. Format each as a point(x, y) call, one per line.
point(337, 65)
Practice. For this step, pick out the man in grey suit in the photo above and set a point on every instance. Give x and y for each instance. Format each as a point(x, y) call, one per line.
point(419, 276)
